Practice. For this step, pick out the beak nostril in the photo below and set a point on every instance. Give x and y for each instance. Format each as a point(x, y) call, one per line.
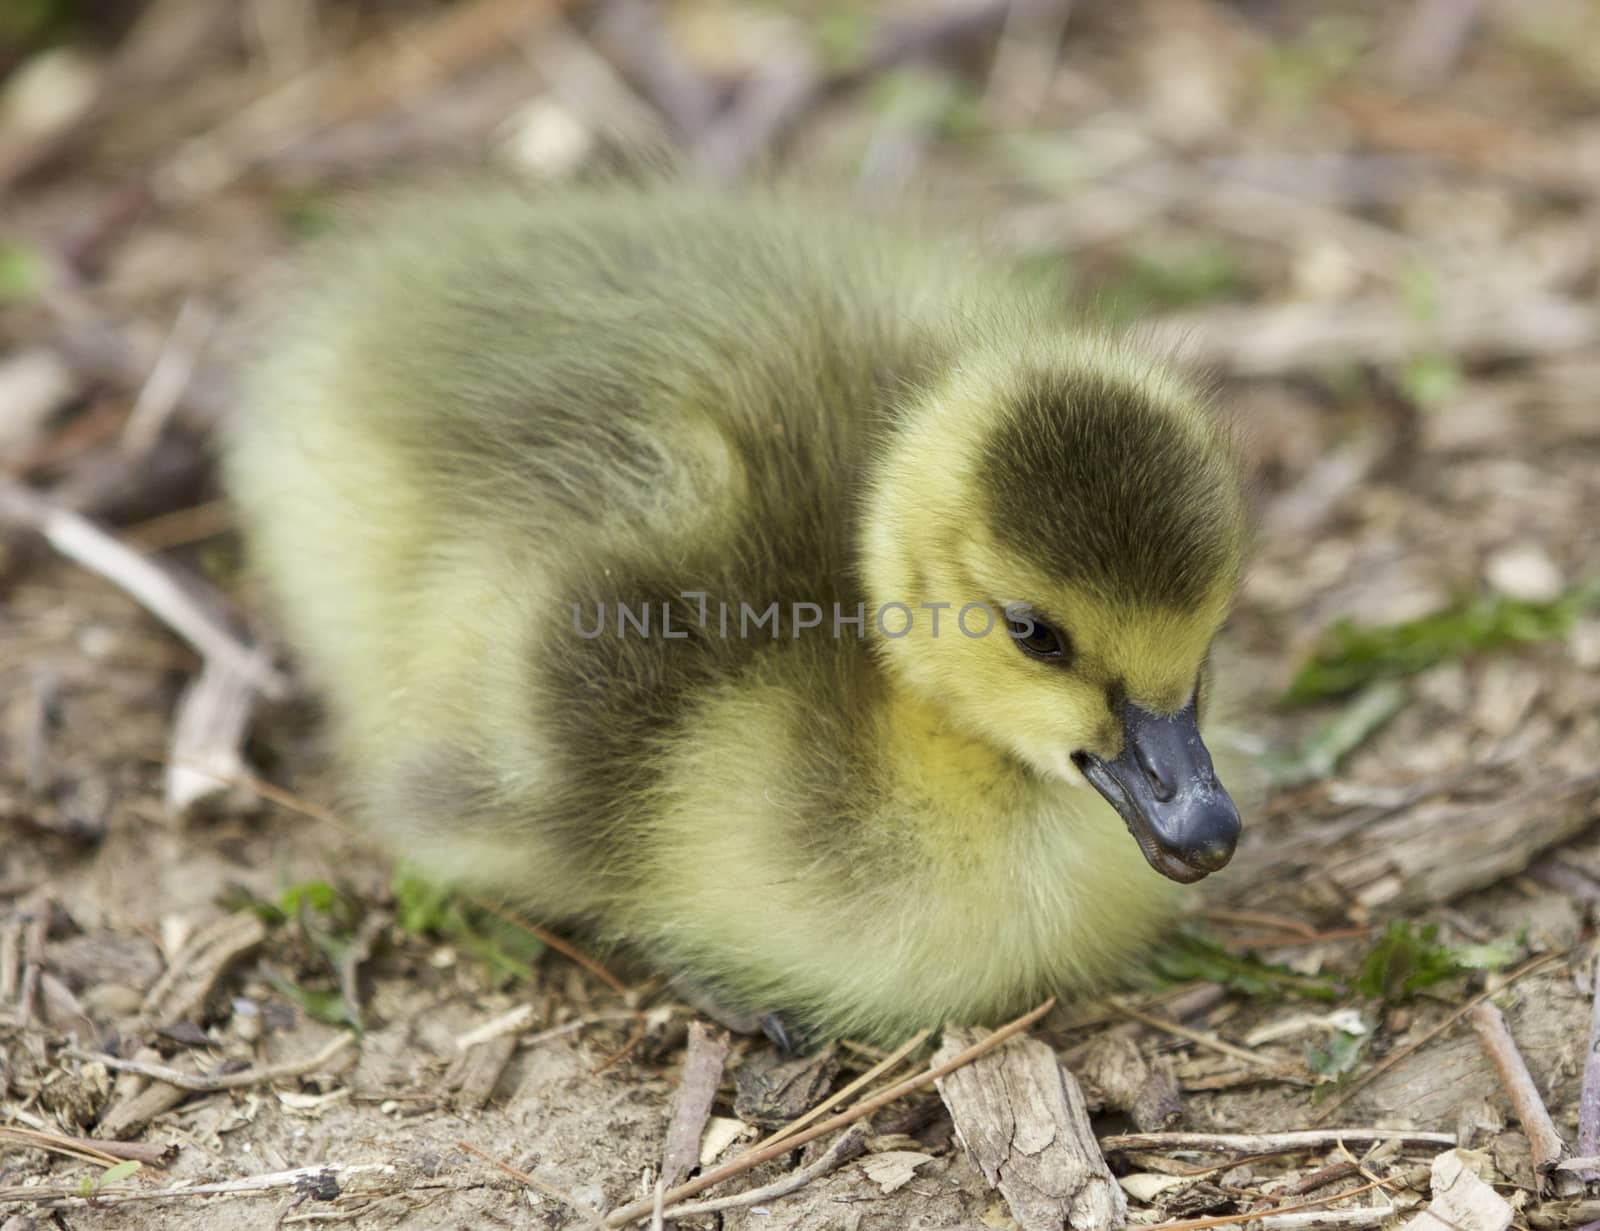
point(1160, 786)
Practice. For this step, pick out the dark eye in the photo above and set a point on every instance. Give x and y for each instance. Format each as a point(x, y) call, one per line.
point(1038, 638)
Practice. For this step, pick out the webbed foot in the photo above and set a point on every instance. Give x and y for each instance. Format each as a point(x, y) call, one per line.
point(791, 1041)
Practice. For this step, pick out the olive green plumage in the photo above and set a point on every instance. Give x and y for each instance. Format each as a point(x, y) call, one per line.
point(493, 418)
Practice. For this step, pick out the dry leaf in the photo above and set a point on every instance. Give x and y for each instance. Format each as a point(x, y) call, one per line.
point(894, 1169)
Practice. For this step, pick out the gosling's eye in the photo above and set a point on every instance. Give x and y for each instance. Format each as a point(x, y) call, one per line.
point(1039, 639)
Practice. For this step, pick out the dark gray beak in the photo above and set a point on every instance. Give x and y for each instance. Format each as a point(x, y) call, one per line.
point(1163, 785)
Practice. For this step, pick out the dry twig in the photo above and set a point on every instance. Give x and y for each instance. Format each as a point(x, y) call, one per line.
point(1341, 1169)
point(253, 1076)
point(321, 1176)
point(1271, 1143)
point(1281, 1218)
point(1211, 1043)
point(1589, 1098)
point(169, 377)
point(849, 1144)
point(754, 1158)
point(153, 584)
point(1501, 1048)
point(849, 1091)
point(89, 1149)
point(566, 949)
point(533, 1182)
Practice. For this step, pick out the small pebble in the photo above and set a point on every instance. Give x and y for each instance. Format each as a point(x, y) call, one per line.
point(548, 140)
point(1525, 571)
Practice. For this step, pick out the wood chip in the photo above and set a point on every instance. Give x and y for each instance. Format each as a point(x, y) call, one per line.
point(702, 1075)
point(894, 1169)
point(204, 757)
point(1461, 1201)
point(771, 1091)
point(1114, 1064)
point(182, 993)
point(721, 1132)
point(515, 1022)
point(34, 384)
point(1022, 1120)
point(132, 1113)
point(475, 1073)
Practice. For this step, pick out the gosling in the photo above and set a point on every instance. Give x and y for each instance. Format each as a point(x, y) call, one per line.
point(804, 603)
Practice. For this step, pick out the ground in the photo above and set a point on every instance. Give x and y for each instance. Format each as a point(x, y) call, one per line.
point(1372, 224)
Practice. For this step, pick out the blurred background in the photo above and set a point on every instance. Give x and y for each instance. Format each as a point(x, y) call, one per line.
point(1375, 225)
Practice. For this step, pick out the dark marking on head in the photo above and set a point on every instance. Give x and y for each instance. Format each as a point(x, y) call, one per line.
point(1096, 483)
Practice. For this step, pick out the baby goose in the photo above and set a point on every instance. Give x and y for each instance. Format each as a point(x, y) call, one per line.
point(778, 594)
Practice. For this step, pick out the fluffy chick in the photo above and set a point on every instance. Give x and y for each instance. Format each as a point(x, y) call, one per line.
point(500, 433)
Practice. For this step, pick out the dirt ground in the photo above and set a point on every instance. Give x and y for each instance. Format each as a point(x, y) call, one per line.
point(1375, 224)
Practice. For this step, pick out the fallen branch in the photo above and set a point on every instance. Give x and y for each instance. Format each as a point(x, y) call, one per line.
point(641, 1209)
point(152, 584)
point(253, 1076)
point(632, 31)
point(1270, 1143)
point(1526, 1102)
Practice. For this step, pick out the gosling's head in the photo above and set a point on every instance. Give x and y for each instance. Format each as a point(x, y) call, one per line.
point(1088, 500)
